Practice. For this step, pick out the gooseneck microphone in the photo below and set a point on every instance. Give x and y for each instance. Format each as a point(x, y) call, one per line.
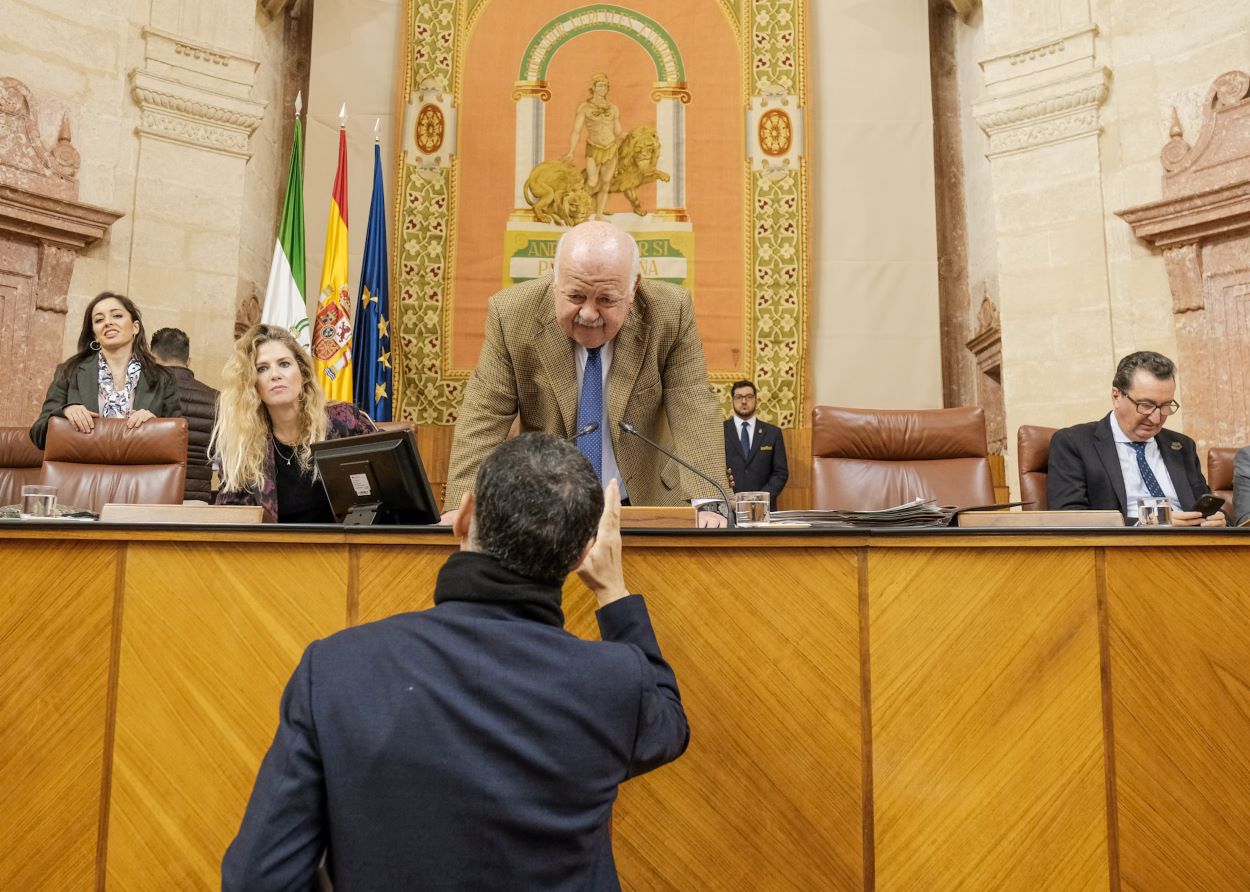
point(577, 435)
point(731, 519)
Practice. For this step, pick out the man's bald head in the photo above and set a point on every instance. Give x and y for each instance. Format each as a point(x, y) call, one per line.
point(596, 274)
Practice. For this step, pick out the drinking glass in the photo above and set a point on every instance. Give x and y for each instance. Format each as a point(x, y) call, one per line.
point(38, 500)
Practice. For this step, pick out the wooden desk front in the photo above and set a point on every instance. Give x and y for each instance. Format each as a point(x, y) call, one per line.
point(887, 711)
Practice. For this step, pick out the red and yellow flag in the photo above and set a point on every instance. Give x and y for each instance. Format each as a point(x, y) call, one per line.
point(332, 329)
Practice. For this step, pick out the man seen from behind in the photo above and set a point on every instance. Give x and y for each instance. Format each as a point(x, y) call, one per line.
point(475, 745)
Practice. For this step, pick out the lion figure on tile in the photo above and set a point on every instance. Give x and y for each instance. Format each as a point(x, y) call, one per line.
point(556, 191)
point(635, 165)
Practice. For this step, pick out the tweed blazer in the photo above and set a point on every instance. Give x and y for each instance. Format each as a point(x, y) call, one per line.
point(156, 393)
point(1241, 485)
point(658, 382)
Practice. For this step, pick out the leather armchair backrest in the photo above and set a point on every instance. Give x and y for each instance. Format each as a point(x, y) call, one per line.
point(396, 426)
point(1033, 458)
point(147, 465)
point(20, 461)
point(867, 459)
point(1220, 475)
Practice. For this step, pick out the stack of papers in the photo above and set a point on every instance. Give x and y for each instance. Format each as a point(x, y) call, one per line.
point(920, 513)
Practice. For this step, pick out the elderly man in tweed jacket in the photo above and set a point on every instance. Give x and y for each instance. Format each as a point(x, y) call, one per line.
point(539, 335)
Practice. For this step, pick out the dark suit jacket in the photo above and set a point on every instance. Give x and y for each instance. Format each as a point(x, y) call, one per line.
point(199, 407)
point(1241, 485)
point(466, 747)
point(157, 394)
point(658, 383)
point(765, 468)
point(1084, 469)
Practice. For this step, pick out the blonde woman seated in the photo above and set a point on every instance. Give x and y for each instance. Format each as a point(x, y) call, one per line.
point(270, 412)
point(113, 374)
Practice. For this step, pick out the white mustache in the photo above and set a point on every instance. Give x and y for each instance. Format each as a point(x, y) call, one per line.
point(598, 323)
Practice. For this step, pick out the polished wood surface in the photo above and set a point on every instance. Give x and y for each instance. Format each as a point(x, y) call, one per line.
point(982, 710)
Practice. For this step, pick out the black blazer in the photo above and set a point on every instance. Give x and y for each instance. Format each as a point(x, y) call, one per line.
point(765, 468)
point(157, 394)
point(465, 747)
point(1084, 469)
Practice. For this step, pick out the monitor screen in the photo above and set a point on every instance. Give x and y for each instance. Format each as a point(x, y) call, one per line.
point(376, 478)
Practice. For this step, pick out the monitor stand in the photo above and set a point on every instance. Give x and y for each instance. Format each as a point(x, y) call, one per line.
point(364, 515)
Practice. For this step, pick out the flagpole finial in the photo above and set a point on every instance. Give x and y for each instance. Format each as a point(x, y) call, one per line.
point(299, 102)
point(377, 129)
point(343, 115)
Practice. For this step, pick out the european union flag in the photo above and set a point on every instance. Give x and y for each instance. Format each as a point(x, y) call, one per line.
point(371, 347)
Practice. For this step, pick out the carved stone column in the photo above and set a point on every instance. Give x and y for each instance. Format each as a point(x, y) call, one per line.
point(1202, 226)
point(43, 226)
point(1041, 117)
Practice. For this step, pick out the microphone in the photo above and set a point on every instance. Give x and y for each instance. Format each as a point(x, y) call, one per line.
point(732, 520)
point(588, 429)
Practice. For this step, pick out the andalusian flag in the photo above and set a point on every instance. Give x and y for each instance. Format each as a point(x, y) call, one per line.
point(285, 304)
point(372, 347)
point(332, 330)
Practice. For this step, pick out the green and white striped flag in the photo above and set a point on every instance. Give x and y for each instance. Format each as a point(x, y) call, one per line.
point(284, 297)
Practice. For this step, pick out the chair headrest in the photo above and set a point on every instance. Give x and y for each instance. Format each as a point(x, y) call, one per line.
point(158, 441)
point(17, 450)
point(898, 434)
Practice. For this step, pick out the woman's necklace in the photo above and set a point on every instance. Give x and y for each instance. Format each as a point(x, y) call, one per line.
point(286, 458)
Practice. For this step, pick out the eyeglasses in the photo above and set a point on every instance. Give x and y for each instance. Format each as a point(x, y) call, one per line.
point(1146, 407)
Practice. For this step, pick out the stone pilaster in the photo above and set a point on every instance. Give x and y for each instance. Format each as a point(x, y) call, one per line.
point(1041, 116)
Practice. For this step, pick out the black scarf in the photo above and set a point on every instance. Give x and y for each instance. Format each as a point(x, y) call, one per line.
point(479, 578)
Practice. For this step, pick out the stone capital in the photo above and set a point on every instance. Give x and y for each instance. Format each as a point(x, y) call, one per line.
point(1055, 111)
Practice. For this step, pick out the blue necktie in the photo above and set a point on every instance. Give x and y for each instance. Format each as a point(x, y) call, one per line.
point(590, 410)
point(746, 441)
point(1147, 475)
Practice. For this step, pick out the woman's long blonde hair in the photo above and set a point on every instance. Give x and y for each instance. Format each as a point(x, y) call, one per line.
point(242, 430)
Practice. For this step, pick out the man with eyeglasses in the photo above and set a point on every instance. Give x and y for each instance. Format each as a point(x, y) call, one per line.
point(1127, 456)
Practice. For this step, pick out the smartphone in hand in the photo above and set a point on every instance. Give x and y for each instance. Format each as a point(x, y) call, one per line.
point(1209, 504)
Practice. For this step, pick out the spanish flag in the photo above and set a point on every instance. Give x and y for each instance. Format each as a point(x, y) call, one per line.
point(332, 329)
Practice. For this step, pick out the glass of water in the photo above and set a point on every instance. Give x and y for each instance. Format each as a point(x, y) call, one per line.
point(752, 508)
point(38, 500)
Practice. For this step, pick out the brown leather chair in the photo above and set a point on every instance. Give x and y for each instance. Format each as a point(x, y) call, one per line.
point(1033, 458)
point(396, 426)
point(147, 465)
point(20, 461)
point(866, 459)
point(1220, 475)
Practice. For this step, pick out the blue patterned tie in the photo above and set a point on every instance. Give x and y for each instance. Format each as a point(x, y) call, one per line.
point(746, 441)
point(1147, 475)
point(590, 410)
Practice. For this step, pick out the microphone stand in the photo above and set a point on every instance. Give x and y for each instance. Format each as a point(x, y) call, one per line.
point(731, 519)
point(578, 434)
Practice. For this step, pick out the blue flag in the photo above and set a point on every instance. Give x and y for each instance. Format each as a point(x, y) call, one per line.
point(371, 340)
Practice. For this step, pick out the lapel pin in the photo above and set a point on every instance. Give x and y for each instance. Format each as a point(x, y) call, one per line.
point(1176, 447)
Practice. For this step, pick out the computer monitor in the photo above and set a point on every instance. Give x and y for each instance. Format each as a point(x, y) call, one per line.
point(376, 479)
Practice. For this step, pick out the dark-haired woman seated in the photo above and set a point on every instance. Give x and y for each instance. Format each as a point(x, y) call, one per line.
point(113, 374)
point(270, 412)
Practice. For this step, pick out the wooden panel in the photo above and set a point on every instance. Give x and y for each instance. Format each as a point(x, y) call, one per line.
point(1180, 682)
point(396, 580)
point(798, 491)
point(434, 444)
point(211, 635)
point(56, 623)
point(987, 739)
point(769, 793)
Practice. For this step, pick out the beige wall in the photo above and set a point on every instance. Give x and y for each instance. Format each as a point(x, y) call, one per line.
point(874, 338)
point(199, 222)
point(1075, 289)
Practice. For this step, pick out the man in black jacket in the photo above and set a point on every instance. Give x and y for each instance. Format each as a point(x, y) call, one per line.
point(755, 453)
point(1110, 464)
point(172, 349)
point(476, 745)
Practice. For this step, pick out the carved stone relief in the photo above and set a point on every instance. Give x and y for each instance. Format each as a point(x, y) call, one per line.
point(987, 346)
point(42, 228)
point(1202, 226)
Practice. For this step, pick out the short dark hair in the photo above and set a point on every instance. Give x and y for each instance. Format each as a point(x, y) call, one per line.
point(538, 504)
point(171, 343)
point(1154, 364)
point(737, 384)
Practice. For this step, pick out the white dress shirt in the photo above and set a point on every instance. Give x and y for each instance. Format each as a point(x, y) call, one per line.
point(610, 469)
point(1134, 487)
